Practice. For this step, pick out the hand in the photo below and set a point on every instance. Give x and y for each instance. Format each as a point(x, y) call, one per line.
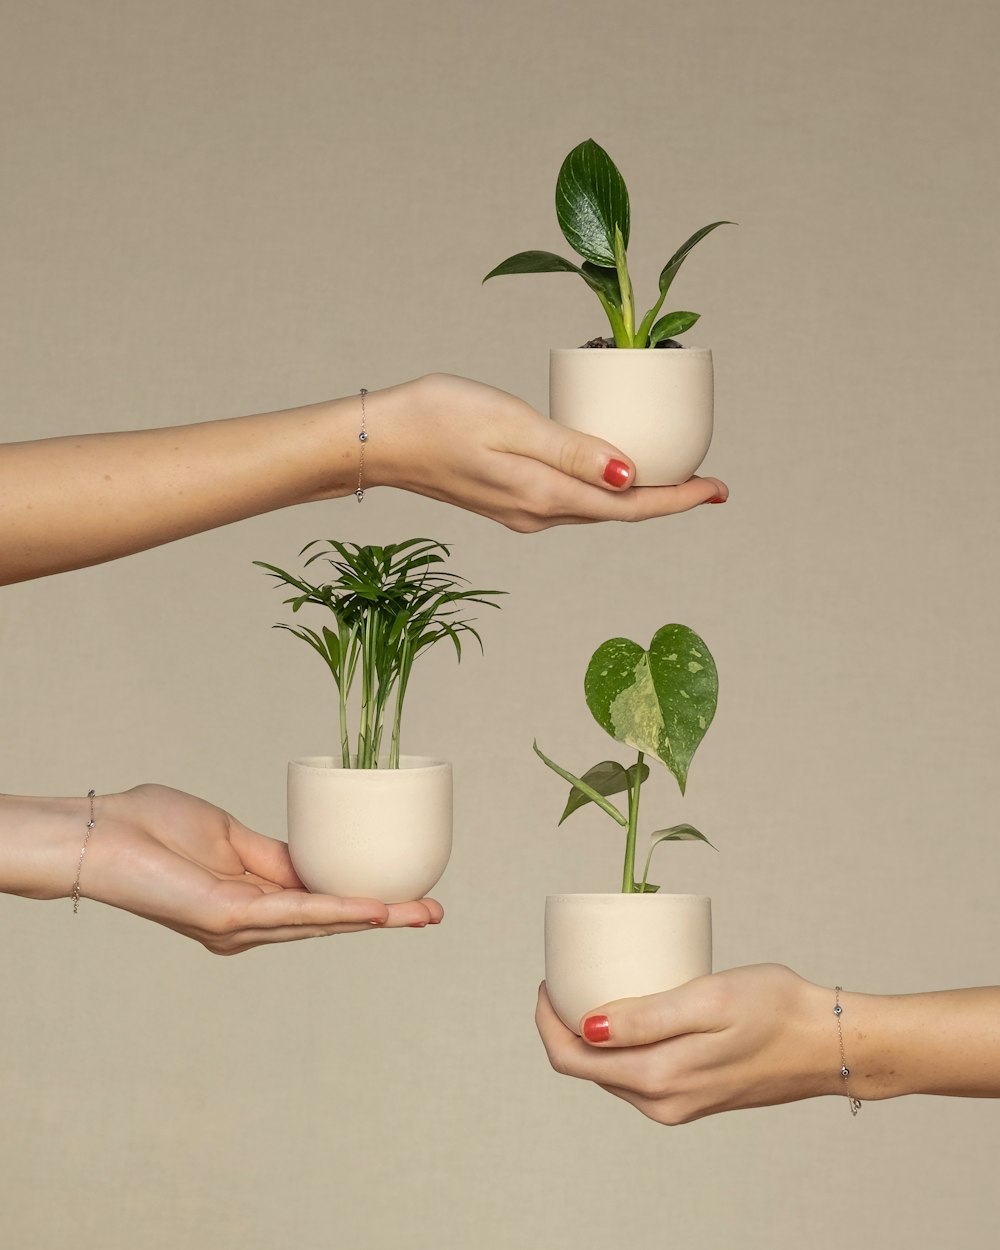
point(749, 1037)
point(486, 451)
point(192, 867)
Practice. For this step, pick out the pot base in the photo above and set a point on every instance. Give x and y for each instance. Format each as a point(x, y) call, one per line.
point(602, 947)
point(381, 833)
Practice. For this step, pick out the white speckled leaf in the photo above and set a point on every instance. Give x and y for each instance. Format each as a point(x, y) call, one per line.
point(660, 701)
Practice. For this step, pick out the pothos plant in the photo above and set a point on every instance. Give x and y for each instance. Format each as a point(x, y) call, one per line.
point(592, 207)
point(389, 606)
point(660, 701)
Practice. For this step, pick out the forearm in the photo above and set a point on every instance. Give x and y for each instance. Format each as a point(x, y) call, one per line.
point(40, 841)
point(947, 1042)
point(66, 503)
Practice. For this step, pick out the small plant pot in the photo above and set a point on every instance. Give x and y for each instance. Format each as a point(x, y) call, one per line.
point(601, 947)
point(380, 833)
point(656, 405)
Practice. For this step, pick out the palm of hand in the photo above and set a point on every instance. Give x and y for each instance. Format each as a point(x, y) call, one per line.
point(192, 867)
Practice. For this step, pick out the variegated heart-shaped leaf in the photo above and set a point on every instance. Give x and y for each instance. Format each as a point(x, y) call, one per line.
point(660, 701)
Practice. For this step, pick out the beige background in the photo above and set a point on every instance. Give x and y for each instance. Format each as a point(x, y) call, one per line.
point(229, 207)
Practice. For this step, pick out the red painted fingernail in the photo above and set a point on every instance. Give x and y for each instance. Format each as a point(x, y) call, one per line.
point(617, 473)
point(596, 1028)
point(717, 499)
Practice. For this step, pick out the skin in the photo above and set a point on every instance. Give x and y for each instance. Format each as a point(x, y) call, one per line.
point(174, 858)
point(441, 436)
point(759, 1036)
point(183, 863)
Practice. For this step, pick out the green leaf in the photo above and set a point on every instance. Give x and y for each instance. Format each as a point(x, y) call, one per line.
point(671, 325)
point(680, 833)
point(591, 199)
point(582, 785)
point(674, 263)
point(608, 777)
point(660, 701)
point(646, 887)
point(533, 262)
point(603, 281)
point(676, 833)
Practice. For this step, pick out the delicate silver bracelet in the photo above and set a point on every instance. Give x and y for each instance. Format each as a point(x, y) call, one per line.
point(845, 1071)
point(359, 494)
point(75, 896)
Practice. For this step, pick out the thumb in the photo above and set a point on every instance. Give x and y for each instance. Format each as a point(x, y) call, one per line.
point(577, 455)
point(640, 1021)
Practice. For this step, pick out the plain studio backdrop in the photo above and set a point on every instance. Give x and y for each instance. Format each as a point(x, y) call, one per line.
point(214, 209)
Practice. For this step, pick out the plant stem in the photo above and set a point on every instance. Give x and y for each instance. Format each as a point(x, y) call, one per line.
point(402, 677)
point(628, 876)
point(367, 691)
point(344, 677)
point(625, 285)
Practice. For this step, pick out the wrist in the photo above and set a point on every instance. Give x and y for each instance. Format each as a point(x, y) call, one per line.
point(399, 421)
point(873, 1047)
point(40, 843)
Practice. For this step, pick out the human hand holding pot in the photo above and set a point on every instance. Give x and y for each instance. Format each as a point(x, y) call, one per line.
point(744, 1038)
point(182, 862)
point(762, 1035)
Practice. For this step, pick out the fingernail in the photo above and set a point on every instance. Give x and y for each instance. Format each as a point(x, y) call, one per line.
point(376, 924)
point(596, 1029)
point(617, 473)
point(420, 925)
point(717, 499)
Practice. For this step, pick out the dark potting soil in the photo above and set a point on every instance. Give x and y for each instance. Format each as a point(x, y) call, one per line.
point(610, 343)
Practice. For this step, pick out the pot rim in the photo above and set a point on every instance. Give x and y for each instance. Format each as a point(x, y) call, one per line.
point(618, 352)
point(605, 898)
point(333, 764)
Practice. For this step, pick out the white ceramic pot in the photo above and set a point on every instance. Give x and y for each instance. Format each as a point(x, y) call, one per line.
point(655, 404)
point(380, 833)
point(601, 947)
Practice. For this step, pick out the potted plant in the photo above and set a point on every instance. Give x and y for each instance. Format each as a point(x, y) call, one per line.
point(657, 406)
point(368, 821)
point(601, 947)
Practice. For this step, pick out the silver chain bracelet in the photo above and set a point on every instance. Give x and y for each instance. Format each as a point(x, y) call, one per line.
point(75, 896)
point(359, 494)
point(845, 1071)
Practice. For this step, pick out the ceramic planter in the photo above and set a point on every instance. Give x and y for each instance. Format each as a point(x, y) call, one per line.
point(601, 947)
point(380, 833)
point(655, 404)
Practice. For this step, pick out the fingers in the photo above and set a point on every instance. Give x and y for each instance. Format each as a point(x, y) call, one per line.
point(641, 1021)
point(598, 463)
point(577, 455)
point(263, 856)
point(567, 1053)
point(572, 502)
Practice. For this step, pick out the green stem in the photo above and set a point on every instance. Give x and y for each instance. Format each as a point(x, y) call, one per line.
point(344, 678)
point(614, 316)
point(367, 692)
point(642, 334)
point(403, 676)
point(628, 875)
point(625, 285)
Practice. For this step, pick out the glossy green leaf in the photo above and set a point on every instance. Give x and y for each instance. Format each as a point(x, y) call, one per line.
point(669, 271)
point(607, 778)
point(659, 701)
point(591, 199)
point(604, 281)
point(671, 325)
point(580, 784)
point(533, 262)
